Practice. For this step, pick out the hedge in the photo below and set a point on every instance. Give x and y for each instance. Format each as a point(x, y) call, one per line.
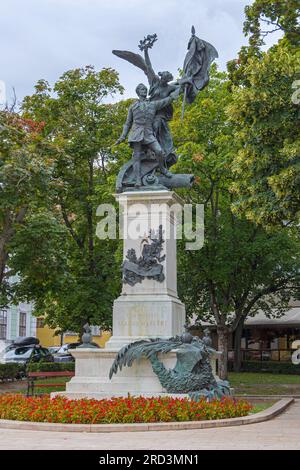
point(51, 366)
point(11, 371)
point(269, 366)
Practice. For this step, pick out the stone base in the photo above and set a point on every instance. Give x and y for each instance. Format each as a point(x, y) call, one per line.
point(92, 376)
point(145, 316)
point(107, 396)
point(146, 309)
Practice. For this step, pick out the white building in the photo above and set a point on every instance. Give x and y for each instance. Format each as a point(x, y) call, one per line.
point(16, 320)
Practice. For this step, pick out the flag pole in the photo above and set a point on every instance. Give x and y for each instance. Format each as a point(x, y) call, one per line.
point(183, 103)
point(186, 86)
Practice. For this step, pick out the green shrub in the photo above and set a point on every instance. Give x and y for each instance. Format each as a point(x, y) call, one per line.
point(268, 366)
point(51, 366)
point(11, 371)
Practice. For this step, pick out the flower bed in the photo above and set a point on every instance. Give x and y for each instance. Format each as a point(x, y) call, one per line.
point(118, 410)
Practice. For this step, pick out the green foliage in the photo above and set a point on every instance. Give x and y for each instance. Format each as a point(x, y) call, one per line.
point(10, 371)
point(266, 16)
point(269, 367)
point(26, 165)
point(51, 366)
point(240, 265)
point(264, 116)
point(239, 138)
point(241, 268)
point(265, 112)
point(71, 275)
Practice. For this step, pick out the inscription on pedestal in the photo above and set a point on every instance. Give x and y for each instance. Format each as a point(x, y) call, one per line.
point(139, 321)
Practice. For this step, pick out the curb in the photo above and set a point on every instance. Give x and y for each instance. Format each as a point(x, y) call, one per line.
point(267, 397)
point(265, 415)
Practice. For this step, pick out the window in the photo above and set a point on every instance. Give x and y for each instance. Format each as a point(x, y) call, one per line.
point(3, 324)
point(40, 322)
point(44, 351)
point(23, 351)
point(96, 330)
point(22, 324)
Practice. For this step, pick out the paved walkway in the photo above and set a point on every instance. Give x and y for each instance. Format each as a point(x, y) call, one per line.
point(282, 432)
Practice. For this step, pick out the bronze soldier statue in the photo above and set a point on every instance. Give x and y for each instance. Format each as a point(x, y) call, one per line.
point(139, 125)
point(147, 121)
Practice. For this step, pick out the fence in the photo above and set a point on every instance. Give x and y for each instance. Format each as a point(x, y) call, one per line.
point(276, 355)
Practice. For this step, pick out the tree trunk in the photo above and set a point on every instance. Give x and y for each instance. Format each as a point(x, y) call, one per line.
point(90, 226)
point(223, 348)
point(237, 362)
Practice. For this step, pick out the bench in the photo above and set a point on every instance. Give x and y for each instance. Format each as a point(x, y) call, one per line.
point(33, 376)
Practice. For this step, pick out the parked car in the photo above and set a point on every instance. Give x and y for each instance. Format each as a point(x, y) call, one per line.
point(53, 349)
point(25, 341)
point(64, 352)
point(65, 348)
point(21, 341)
point(26, 354)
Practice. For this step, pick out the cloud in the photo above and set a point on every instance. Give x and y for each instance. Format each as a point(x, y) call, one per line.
point(42, 39)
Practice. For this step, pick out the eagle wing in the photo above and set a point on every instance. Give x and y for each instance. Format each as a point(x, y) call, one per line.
point(134, 351)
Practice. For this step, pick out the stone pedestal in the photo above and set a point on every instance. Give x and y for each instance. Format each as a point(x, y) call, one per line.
point(147, 309)
point(92, 376)
point(150, 308)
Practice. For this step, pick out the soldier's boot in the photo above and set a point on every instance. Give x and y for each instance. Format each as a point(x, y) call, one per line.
point(165, 172)
point(137, 174)
point(162, 168)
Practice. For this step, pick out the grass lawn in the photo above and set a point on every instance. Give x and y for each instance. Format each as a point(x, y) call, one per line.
point(257, 407)
point(20, 386)
point(253, 383)
point(50, 380)
point(237, 378)
point(244, 383)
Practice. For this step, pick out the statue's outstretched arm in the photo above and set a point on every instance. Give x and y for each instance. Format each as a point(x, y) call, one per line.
point(151, 75)
point(160, 104)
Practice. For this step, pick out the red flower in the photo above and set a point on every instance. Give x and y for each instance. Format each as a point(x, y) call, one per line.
point(118, 410)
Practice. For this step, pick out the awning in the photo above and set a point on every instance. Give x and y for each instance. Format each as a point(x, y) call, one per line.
point(290, 319)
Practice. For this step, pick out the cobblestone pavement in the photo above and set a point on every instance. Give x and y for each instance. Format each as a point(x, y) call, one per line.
point(282, 432)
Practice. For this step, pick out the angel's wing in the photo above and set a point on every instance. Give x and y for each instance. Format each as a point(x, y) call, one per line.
point(133, 58)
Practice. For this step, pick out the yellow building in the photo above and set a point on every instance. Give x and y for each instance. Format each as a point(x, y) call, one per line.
point(46, 335)
point(49, 337)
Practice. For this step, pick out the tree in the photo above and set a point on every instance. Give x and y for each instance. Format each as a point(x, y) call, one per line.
point(73, 276)
point(264, 112)
point(264, 17)
point(241, 269)
point(25, 182)
point(267, 163)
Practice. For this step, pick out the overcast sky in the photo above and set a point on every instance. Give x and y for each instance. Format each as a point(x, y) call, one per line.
point(44, 38)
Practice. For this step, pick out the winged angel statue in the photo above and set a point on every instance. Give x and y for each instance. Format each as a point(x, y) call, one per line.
point(148, 118)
